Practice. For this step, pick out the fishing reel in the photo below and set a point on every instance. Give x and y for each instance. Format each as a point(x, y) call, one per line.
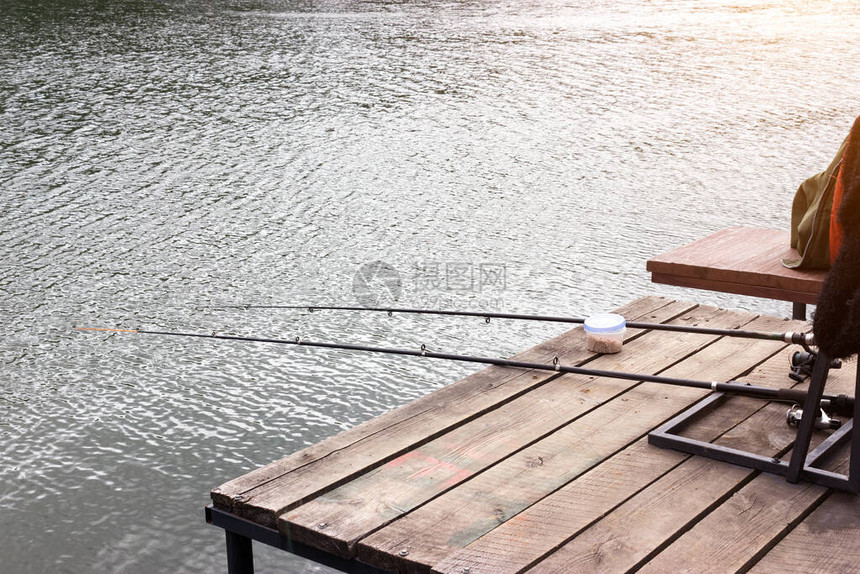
point(801, 363)
point(822, 421)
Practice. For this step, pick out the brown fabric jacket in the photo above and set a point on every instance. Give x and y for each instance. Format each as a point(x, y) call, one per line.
point(810, 217)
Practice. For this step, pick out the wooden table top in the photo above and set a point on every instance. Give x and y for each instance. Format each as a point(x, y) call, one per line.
point(741, 260)
point(511, 470)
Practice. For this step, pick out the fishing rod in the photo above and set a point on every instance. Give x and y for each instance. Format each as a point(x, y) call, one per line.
point(805, 339)
point(839, 404)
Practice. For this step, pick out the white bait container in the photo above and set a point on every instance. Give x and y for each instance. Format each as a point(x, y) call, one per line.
point(604, 333)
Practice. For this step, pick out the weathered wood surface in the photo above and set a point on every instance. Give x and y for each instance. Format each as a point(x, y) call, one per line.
point(463, 515)
point(544, 473)
point(737, 532)
point(741, 260)
point(826, 541)
point(538, 531)
point(634, 533)
point(375, 499)
point(262, 495)
point(513, 546)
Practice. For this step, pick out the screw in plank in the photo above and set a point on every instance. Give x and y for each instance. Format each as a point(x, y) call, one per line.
point(404, 552)
point(322, 525)
point(466, 570)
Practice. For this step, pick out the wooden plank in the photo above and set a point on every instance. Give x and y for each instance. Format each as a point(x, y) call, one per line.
point(629, 534)
point(650, 521)
point(731, 254)
point(623, 538)
point(464, 514)
point(828, 540)
point(810, 298)
point(381, 496)
point(737, 258)
point(735, 534)
point(265, 493)
point(528, 536)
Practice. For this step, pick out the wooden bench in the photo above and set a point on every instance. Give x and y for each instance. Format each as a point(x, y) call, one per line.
point(740, 260)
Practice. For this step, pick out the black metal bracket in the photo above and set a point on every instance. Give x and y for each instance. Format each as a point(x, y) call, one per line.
point(802, 465)
point(241, 532)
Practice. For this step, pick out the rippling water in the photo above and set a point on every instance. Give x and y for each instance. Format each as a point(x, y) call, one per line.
point(160, 158)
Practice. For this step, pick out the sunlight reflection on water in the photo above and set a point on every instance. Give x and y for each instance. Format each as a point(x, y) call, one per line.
point(158, 158)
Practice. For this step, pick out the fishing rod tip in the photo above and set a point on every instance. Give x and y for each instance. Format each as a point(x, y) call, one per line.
point(106, 329)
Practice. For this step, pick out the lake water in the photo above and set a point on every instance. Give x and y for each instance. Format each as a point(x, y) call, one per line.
point(160, 158)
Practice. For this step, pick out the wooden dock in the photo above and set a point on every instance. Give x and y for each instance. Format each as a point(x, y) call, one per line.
point(511, 470)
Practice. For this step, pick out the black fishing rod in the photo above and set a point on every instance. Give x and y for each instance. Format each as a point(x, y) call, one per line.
point(805, 339)
point(839, 405)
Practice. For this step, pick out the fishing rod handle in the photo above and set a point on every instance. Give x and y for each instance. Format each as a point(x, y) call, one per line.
point(841, 405)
